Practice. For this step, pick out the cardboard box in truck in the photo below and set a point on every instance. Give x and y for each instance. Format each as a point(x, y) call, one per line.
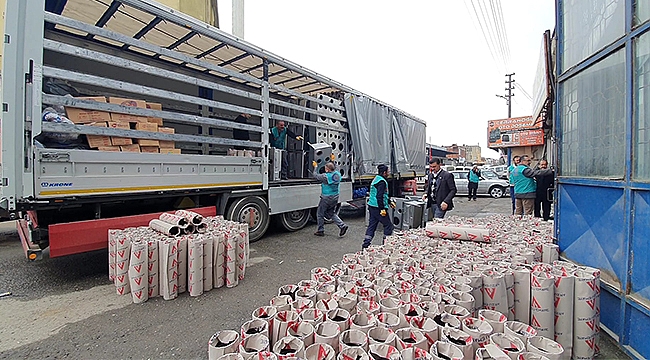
point(155, 120)
point(149, 149)
point(109, 148)
point(117, 117)
point(130, 148)
point(82, 116)
point(170, 151)
point(95, 141)
point(164, 144)
point(147, 126)
point(118, 141)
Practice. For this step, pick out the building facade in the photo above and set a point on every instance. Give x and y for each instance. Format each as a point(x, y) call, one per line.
point(602, 127)
point(473, 153)
point(462, 154)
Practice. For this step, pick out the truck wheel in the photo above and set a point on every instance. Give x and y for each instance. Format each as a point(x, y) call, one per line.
point(252, 210)
point(496, 192)
point(294, 220)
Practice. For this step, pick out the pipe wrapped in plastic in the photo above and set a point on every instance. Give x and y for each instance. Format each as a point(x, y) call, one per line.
point(165, 227)
point(174, 219)
point(191, 216)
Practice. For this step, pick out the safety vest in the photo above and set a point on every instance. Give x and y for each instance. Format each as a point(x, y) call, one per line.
point(332, 186)
point(277, 140)
point(473, 177)
point(373, 192)
point(523, 184)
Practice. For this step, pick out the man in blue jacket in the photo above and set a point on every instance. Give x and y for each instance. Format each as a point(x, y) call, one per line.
point(278, 139)
point(378, 204)
point(329, 198)
point(525, 186)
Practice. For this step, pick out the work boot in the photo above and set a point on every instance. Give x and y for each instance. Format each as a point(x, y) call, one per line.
point(343, 230)
point(319, 233)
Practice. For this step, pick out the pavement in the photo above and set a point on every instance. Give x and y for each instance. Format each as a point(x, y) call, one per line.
point(67, 308)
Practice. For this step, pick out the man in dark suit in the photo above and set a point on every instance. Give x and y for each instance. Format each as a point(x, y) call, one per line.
point(439, 189)
point(544, 183)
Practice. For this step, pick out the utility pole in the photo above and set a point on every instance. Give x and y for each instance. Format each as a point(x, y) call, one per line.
point(509, 94)
point(238, 18)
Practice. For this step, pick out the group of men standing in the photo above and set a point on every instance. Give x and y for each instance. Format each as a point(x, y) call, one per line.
point(529, 188)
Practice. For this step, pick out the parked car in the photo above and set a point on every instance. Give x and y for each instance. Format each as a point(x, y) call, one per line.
point(501, 170)
point(489, 184)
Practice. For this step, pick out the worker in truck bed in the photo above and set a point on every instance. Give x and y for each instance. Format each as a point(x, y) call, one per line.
point(239, 134)
point(278, 139)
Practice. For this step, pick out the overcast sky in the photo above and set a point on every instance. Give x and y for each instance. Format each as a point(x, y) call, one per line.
point(426, 57)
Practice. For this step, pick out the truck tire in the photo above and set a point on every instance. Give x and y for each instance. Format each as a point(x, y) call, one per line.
point(496, 192)
point(294, 220)
point(253, 210)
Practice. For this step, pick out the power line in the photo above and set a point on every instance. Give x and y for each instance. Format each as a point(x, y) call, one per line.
point(490, 30)
point(498, 24)
point(503, 28)
point(485, 37)
point(490, 22)
point(526, 94)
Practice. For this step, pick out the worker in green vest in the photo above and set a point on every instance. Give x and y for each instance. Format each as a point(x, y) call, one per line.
point(525, 186)
point(278, 139)
point(329, 198)
point(473, 177)
point(378, 204)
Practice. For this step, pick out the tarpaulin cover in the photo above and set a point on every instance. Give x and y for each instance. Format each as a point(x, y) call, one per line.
point(414, 135)
point(384, 136)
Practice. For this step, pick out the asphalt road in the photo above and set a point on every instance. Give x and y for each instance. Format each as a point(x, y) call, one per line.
point(67, 307)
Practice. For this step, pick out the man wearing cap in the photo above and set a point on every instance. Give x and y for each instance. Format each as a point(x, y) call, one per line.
point(378, 204)
point(278, 139)
point(329, 198)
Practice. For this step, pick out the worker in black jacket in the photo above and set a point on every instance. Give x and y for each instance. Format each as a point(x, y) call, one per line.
point(544, 182)
point(239, 134)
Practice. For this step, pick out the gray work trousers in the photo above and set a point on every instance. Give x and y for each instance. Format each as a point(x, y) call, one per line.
point(327, 209)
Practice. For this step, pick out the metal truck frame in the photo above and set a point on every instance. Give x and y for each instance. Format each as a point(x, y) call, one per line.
point(202, 76)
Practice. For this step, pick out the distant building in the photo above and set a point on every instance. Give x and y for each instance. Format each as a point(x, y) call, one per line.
point(462, 154)
point(472, 153)
point(456, 153)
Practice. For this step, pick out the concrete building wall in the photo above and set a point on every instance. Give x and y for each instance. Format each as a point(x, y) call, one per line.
point(473, 153)
point(204, 10)
point(3, 7)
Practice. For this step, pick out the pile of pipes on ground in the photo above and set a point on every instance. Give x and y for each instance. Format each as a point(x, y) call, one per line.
point(422, 297)
point(155, 261)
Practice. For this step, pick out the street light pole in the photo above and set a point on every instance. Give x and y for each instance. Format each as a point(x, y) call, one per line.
point(509, 94)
